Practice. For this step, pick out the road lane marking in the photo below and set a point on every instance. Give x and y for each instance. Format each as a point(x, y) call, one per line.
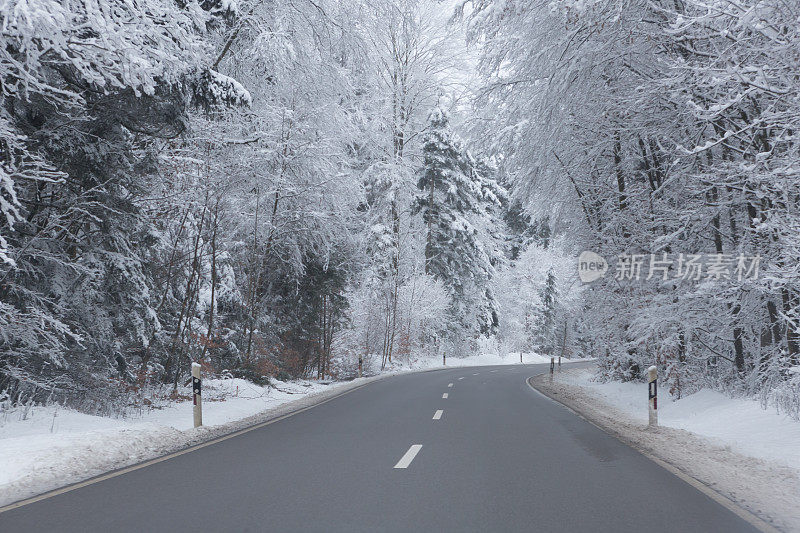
point(462, 377)
point(438, 414)
point(409, 456)
point(475, 374)
point(492, 370)
point(449, 384)
point(444, 395)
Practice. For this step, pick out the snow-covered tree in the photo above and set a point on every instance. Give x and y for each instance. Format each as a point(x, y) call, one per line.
point(651, 128)
point(88, 90)
point(543, 328)
point(451, 204)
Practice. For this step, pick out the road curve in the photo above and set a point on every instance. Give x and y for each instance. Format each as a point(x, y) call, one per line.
point(462, 449)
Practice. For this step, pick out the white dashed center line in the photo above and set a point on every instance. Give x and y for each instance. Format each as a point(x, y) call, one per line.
point(462, 377)
point(409, 456)
point(444, 395)
point(438, 414)
point(449, 384)
point(475, 374)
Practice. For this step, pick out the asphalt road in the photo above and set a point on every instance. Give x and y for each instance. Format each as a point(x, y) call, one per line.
point(499, 457)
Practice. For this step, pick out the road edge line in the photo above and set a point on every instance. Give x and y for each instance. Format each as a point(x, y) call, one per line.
point(718, 497)
point(181, 451)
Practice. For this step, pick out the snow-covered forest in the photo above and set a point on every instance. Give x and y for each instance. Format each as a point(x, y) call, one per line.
point(315, 188)
point(662, 128)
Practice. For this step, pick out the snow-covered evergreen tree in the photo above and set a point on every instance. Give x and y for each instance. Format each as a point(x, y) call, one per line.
point(544, 323)
point(451, 202)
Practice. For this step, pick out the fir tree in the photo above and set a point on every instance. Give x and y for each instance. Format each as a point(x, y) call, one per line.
point(451, 200)
point(523, 230)
point(544, 328)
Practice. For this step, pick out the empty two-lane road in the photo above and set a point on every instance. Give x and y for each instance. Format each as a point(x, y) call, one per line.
point(469, 449)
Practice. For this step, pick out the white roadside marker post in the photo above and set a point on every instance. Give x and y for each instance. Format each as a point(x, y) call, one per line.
point(360, 366)
point(444, 359)
point(559, 363)
point(552, 367)
point(520, 357)
point(652, 396)
point(197, 400)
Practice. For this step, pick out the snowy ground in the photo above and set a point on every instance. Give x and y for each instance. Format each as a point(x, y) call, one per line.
point(484, 359)
point(747, 454)
point(43, 448)
point(740, 424)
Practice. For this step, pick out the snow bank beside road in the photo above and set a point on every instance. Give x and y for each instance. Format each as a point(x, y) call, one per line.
point(224, 400)
point(528, 358)
point(734, 448)
point(738, 423)
point(484, 359)
point(43, 448)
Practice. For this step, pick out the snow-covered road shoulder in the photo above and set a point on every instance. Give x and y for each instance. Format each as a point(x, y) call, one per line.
point(46, 448)
point(746, 454)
